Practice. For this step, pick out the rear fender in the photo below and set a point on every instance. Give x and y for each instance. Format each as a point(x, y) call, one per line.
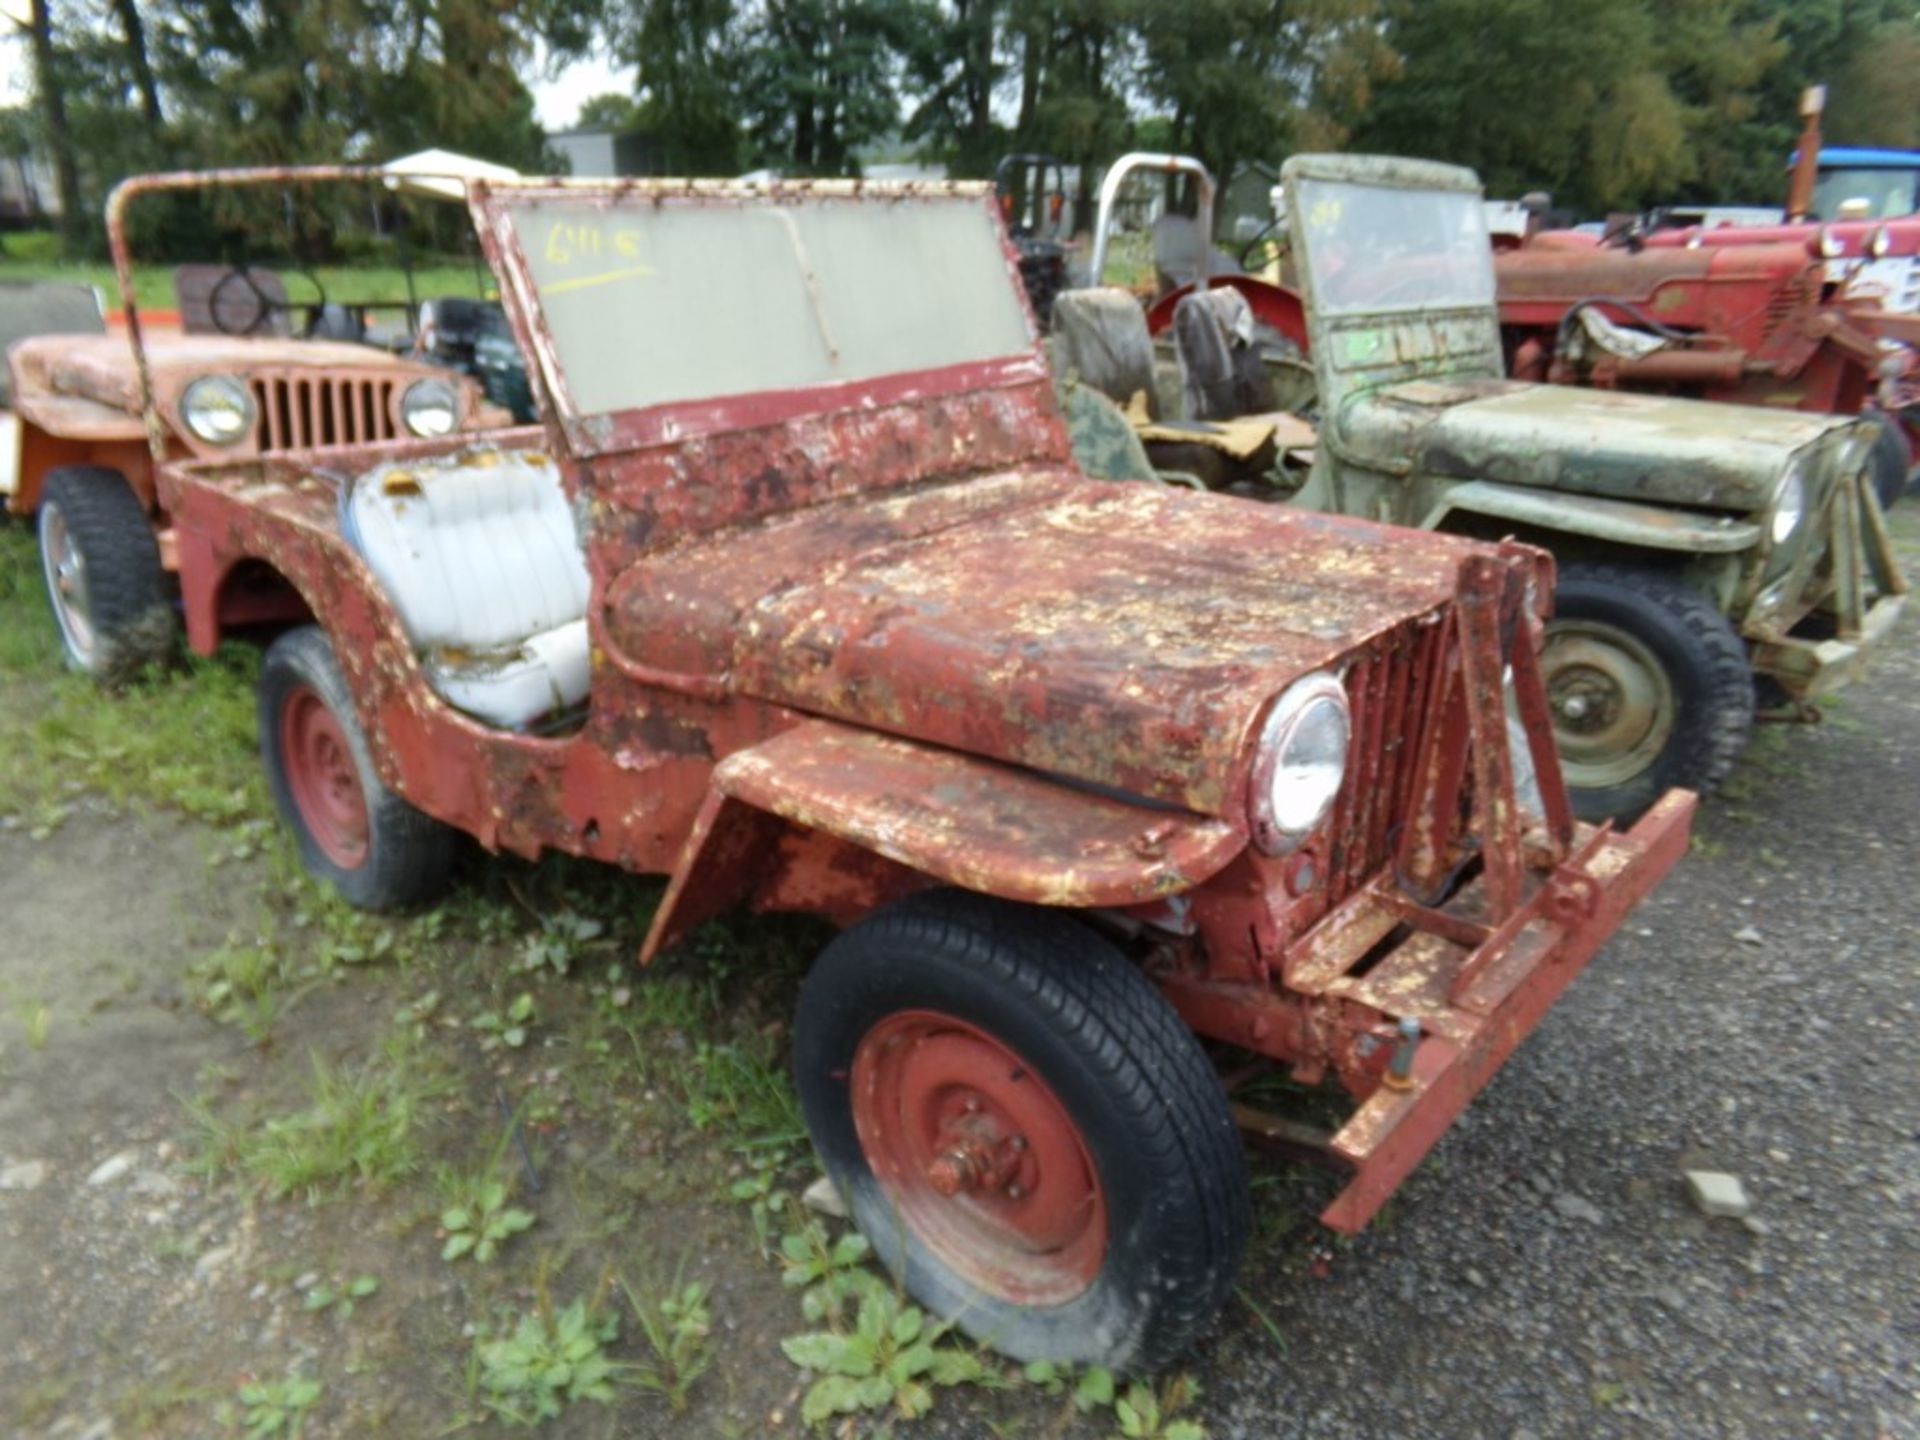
point(832, 819)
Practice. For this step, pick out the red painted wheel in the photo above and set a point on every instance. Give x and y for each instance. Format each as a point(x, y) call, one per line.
point(354, 834)
point(980, 1157)
point(1024, 1130)
point(323, 778)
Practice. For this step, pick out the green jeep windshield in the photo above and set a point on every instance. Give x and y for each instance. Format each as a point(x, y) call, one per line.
point(652, 302)
point(1373, 248)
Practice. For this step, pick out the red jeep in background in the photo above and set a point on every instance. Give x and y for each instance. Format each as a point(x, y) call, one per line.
point(798, 599)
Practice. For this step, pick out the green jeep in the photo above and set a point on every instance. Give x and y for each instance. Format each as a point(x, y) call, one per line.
point(1711, 556)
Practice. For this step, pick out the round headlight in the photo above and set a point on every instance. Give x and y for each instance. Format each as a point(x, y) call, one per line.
point(218, 410)
point(1880, 243)
point(430, 408)
point(1830, 245)
point(1789, 505)
point(1301, 761)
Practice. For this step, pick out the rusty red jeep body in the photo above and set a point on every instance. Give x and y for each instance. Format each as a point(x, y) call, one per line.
point(1070, 759)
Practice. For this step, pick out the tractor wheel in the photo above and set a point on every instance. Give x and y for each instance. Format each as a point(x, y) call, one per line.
point(1650, 688)
point(1024, 1129)
point(378, 851)
point(1892, 461)
point(104, 581)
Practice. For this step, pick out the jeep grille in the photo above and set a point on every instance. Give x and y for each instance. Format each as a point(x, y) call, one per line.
point(299, 412)
point(1390, 690)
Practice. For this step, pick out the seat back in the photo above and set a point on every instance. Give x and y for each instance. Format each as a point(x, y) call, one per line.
point(44, 307)
point(478, 552)
point(1220, 366)
point(1101, 336)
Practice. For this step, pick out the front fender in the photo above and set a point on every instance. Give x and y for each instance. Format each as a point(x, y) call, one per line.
point(954, 818)
point(1620, 522)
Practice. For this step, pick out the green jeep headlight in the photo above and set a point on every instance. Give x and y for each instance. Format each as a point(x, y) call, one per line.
point(1789, 504)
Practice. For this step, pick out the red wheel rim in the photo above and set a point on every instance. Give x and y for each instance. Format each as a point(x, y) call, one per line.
point(323, 778)
point(979, 1158)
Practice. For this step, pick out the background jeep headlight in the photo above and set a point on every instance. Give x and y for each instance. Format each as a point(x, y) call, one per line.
point(430, 408)
point(218, 410)
point(1789, 504)
point(1301, 762)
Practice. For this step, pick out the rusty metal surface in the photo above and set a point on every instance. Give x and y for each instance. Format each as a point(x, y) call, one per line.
point(1394, 1129)
point(975, 823)
point(1120, 635)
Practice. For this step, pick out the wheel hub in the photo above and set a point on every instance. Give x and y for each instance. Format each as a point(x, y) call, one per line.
point(979, 1158)
point(323, 780)
point(66, 571)
point(1613, 704)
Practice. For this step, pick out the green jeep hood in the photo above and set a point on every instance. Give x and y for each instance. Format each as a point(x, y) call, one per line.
point(1594, 442)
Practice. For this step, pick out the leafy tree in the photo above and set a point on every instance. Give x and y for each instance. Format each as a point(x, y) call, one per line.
point(817, 80)
point(686, 52)
point(608, 112)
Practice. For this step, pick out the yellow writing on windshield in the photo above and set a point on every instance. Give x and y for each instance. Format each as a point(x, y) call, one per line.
point(586, 246)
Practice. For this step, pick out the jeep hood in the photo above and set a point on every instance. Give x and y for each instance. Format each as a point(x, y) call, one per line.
point(1593, 442)
point(100, 367)
point(1125, 636)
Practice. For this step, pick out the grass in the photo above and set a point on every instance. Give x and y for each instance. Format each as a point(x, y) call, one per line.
point(34, 255)
point(181, 737)
point(357, 1130)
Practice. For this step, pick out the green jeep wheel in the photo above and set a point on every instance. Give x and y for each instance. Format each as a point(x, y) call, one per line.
point(1649, 685)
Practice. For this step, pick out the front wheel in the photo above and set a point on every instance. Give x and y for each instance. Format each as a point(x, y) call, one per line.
point(1024, 1129)
point(1650, 688)
point(378, 851)
point(103, 574)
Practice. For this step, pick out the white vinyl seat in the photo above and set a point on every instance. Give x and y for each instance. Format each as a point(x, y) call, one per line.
point(481, 558)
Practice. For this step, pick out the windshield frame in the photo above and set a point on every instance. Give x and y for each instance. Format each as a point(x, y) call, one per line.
point(592, 433)
point(1321, 244)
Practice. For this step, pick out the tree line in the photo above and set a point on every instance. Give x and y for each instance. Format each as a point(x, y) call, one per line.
point(1608, 103)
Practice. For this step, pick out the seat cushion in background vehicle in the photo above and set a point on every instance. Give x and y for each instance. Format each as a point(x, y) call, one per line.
point(481, 558)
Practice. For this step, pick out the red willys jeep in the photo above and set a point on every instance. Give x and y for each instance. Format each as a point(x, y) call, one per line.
point(798, 600)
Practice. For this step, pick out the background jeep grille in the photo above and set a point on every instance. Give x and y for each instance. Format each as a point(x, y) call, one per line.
point(1390, 689)
point(299, 412)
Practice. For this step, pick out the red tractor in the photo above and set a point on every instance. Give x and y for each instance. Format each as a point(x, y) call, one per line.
point(1757, 323)
point(1801, 315)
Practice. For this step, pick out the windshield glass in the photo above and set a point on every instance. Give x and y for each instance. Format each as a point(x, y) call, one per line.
point(650, 303)
point(1868, 194)
point(1376, 247)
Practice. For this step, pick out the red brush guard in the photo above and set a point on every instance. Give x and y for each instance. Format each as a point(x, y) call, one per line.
point(1451, 916)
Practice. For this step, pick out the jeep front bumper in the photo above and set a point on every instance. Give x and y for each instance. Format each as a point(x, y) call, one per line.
point(1806, 668)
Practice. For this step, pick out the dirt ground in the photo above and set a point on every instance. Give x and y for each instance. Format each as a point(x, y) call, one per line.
point(1543, 1275)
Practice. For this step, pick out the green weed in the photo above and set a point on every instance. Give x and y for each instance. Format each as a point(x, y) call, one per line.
point(1146, 1413)
point(678, 1330)
point(340, 1297)
point(892, 1360)
point(478, 1221)
point(545, 1363)
point(506, 1027)
point(274, 1408)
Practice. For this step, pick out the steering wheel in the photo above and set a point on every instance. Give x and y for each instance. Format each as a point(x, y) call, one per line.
point(1264, 249)
point(251, 303)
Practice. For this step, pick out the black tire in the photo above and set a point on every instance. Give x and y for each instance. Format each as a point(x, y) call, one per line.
point(1137, 1090)
point(1892, 461)
point(110, 597)
point(1663, 626)
point(404, 857)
